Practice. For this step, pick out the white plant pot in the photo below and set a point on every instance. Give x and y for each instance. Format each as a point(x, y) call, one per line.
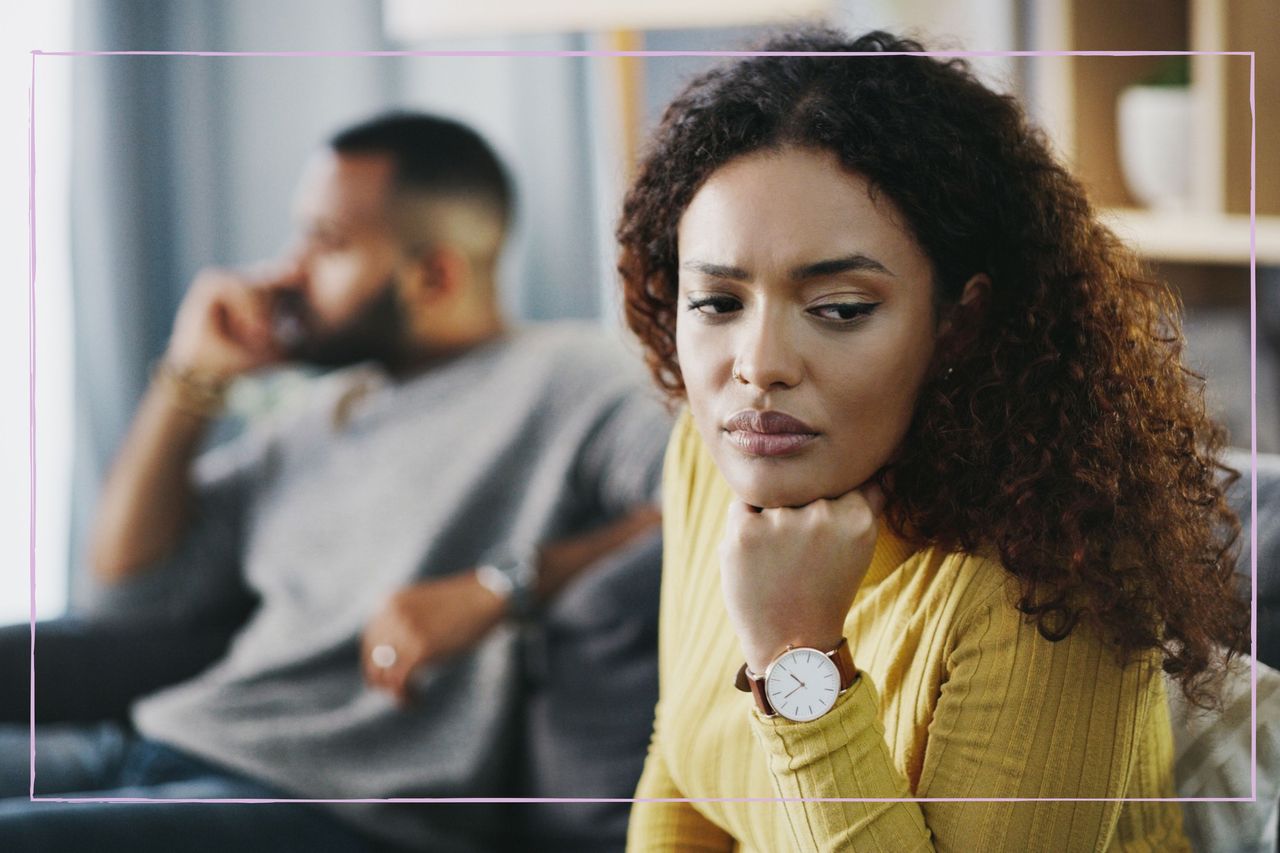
point(1155, 145)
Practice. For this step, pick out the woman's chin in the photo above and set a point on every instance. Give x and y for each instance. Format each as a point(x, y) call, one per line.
point(777, 488)
point(773, 495)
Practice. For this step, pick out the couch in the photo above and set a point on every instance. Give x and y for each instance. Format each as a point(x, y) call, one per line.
point(590, 682)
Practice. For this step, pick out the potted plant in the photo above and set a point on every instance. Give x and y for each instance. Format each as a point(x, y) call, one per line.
point(1154, 124)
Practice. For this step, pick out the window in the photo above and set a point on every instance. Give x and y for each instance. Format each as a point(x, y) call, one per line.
point(45, 25)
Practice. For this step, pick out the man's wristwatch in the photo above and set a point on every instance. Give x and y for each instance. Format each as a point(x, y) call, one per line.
point(801, 684)
point(512, 575)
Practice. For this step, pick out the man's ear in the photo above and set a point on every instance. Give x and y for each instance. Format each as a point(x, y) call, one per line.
point(440, 272)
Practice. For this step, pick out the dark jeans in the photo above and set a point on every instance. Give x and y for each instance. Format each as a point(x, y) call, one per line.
point(86, 762)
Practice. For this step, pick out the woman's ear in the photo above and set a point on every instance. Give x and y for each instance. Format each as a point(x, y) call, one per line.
point(977, 291)
point(962, 320)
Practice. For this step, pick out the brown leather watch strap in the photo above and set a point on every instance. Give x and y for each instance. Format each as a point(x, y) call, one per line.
point(843, 659)
point(754, 684)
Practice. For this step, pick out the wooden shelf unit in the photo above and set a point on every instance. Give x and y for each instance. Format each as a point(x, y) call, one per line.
point(1076, 97)
point(1217, 238)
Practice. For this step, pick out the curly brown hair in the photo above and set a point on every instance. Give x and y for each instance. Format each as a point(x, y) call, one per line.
point(1057, 427)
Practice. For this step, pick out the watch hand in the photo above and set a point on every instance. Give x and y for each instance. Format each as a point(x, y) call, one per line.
point(788, 696)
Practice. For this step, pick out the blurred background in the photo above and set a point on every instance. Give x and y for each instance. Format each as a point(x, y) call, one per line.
point(150, 167)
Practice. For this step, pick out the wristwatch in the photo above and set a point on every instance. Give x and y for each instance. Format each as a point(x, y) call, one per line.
point(512, 575)
point(801, 684)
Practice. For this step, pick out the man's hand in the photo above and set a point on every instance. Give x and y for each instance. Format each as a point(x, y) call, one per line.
point(789, 575)
point(224, 325)
point(425, 624)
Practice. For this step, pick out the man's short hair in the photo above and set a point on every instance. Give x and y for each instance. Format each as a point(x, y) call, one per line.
point(432, 155)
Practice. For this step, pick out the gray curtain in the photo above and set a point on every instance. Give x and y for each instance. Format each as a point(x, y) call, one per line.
point(180, 162)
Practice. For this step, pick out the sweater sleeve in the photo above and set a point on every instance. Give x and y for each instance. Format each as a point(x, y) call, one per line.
point(620, 461)
point(1017, 716)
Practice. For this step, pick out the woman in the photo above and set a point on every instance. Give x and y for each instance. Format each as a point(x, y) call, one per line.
point(970, 489)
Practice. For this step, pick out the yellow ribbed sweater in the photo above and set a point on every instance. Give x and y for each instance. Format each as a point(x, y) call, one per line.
point(957, 697)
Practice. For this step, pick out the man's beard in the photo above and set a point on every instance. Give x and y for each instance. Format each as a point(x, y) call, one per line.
point(376, 332)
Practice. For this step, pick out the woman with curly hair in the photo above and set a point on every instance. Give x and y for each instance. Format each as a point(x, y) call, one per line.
point(943, 502)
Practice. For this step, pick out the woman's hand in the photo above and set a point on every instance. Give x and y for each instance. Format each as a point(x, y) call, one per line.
point(789, 575)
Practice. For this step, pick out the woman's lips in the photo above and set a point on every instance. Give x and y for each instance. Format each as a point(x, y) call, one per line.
point(768, 433)
point(770, 444)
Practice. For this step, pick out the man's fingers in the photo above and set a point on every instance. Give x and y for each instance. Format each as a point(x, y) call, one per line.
point(288, 274)
point(378, 656)
point(372, 673)
point(390, 678)
point(274, 274)
point(395, 682)
point(390, 666)
point(398, 680)
point(248, 317)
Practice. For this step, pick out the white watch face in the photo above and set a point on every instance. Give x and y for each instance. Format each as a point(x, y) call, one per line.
point(802, 684)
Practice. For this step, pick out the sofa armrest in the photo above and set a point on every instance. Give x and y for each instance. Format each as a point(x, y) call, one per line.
point(1268, 533)
point(591, 681)
point(89, 670)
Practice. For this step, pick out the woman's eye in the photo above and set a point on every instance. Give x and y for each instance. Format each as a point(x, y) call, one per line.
point(844, 311)
point(714, 305)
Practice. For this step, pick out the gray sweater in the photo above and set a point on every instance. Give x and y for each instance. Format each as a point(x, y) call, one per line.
point(541, 435)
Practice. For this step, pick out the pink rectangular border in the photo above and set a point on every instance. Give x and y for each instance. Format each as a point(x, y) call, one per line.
point(1253, 396)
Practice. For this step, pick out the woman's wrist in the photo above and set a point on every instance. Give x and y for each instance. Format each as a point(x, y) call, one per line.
point(762, 651)
point(789, 575)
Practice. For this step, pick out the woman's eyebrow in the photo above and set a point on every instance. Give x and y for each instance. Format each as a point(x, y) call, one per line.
point(850, 263)
point(716, 270)
point(856, 262)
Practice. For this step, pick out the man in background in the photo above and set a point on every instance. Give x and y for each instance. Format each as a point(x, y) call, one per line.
point(452, 474)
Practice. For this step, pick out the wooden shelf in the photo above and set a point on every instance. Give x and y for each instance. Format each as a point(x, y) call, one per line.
point(1075, 99)
point(1196, 237)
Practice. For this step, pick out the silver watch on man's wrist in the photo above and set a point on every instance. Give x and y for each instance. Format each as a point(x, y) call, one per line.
point(512, 575)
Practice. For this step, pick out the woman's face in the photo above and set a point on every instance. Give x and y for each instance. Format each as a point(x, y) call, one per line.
point(805, 325)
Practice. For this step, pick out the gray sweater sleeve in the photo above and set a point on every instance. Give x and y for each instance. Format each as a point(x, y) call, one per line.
point(621, 460)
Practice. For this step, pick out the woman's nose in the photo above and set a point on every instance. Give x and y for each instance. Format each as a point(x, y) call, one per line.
point(767, 357)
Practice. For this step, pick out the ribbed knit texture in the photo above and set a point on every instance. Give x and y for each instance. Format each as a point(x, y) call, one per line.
point(958, 697)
